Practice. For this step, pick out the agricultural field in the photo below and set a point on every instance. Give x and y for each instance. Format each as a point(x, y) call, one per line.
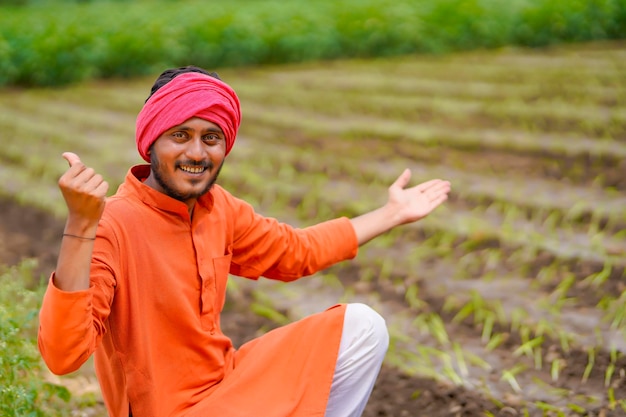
point(509, 300)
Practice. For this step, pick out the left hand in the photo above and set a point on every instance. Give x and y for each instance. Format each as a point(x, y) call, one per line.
point(414, 203)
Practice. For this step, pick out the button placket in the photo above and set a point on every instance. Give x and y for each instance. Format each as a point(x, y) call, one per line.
point(206, 275)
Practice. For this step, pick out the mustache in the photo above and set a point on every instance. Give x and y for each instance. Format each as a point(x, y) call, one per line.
point(202, 164)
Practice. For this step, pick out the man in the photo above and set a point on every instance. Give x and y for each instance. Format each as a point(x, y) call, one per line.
point(141, 277)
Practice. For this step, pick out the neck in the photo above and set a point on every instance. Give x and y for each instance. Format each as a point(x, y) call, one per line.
point(153, 182)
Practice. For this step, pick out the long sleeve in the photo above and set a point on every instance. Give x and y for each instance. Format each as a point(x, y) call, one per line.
point(72, 324)
point(66, 334)
point(265, 247)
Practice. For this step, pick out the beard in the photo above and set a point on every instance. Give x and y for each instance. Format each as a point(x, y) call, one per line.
point(169, 187)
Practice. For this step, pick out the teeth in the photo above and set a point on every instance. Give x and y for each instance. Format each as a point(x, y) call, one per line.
point(193, 170)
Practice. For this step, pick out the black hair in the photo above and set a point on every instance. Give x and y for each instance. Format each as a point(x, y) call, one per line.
point(168, 75)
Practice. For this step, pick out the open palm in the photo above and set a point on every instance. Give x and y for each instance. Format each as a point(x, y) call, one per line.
point(414, 203)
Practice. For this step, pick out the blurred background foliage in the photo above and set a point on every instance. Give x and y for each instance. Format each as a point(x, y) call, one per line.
point(56, 42)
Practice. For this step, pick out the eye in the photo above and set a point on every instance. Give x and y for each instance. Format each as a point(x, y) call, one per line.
point(179, 135)
point(212, 138)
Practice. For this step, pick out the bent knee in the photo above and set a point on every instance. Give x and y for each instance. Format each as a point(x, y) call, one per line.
point(363, 317)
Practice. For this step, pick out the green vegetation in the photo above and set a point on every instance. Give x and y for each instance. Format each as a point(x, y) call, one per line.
point(23, 390)
point(59, 42)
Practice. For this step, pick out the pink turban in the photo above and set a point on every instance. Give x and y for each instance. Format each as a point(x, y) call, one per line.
point(188, 95)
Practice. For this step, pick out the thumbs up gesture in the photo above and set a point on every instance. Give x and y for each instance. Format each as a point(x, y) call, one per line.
point(84, 192)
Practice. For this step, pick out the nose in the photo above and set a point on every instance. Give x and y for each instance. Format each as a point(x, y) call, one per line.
point(195, 149)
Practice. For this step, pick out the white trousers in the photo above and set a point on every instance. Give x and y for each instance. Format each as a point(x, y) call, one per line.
point(364, 342)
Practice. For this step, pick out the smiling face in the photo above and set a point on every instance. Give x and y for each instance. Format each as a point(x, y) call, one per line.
point(186, 160)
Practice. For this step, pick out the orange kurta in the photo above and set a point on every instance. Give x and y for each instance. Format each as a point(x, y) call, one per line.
point(151, 315)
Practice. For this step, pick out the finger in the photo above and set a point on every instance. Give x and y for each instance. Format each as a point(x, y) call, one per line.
point(439, 187)
point(102, 189)
point(423, 187)
point(95, 183)
point(436, 202)
point(71, 158)
point(403, 179)
point(81, 177)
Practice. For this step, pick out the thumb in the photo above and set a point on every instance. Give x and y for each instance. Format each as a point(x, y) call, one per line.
point(403, 179)
point(71, 158)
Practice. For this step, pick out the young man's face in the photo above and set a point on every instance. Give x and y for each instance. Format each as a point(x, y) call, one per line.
point(186, 159)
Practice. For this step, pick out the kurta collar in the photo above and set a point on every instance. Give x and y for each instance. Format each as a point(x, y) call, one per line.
point(134, 185)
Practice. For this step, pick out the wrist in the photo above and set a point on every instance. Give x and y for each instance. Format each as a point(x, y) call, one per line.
point(85, 238)
point(80, 227)
point(392, 216)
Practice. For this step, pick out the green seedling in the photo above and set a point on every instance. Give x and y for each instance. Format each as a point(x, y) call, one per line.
point(412, 298)
point(549, 409)
point(557, 392)
point(508, 375)
point(595, 223)
point(610, 369)
point(495, 341)
point(386, 269)
point(348, 295)
point(619, 319)
point(528, 348)
point(552, 221)
point(564, 286)
point(591, 359)
point(485, 312)
point(577, 408)
point(460, 360)
point(598, 278)
point(449, 371)
point(538, 358)
point(269, 312)
point(608, 374)
point(611, 396)
point(263, 306)
point(518, 315)
point(613, 402)
point(544, 327)
point(476, 360)
point(451, 303)
point(488, 327)
point(599, 338)
point(431, 323)
point(617, 308)
point(555, 368)
point(548, 274)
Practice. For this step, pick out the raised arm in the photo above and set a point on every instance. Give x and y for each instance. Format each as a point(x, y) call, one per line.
point(84, 192)
point(404, 205)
